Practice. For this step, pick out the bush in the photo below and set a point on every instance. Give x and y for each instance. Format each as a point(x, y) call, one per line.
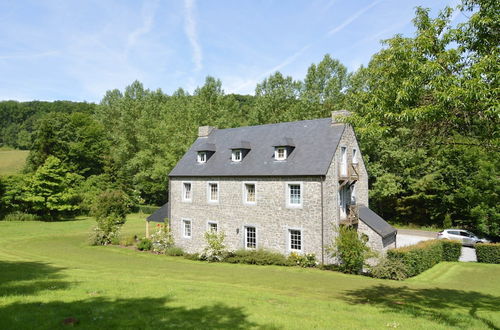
point(145, 245)
point(215, 249)
point(488, 253)
point(192, 256)
point(146, 209)
point(451, 250)
point(350, 249)
point(419, 257)
point(20, 216)
point(100, 237)
point(162, 238)
point(257, 257)
point(128, 240)
point(392, 269)
point(307, 260)
point(174, 251)
point(110, 209)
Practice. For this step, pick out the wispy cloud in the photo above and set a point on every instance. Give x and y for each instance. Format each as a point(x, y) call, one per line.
point(352, 18)
point(190, 29)
point(148, 15)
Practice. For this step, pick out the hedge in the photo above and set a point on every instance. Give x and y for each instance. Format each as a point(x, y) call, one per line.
point(424, 255)
point(488, 253)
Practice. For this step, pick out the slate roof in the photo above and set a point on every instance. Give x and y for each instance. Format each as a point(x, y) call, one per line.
point(375, 222)
point(160, 214)
point(315, 142)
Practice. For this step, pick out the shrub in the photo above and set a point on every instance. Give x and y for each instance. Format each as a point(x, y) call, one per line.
point(419, 257)
point(488, 253)
point(128, 240)
point(20, 216)
point(145, 245)
point(146, 209)
point(393, 269)
point(174, 251)
point(192, 256)
point(451, 250)
point(162, 238)
point(257, 257)
point(307, 260)
point(109, 209)
point(350, 250)
point(215, 249)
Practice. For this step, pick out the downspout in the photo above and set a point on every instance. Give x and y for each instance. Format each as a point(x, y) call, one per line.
point(322, 225)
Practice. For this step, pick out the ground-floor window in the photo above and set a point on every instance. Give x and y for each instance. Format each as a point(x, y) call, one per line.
point(186, 227)
point(295, 239)
point(250, 238)
point(212, 226)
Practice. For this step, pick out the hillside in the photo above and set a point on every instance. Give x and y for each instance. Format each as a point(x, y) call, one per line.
point(12, 161)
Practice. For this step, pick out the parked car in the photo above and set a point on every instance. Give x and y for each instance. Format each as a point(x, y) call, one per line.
point(467, 238)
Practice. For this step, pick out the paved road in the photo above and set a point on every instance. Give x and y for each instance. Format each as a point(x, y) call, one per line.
point(408, 237)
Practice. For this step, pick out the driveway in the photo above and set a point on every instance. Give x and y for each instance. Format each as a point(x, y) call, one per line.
point(408, 237)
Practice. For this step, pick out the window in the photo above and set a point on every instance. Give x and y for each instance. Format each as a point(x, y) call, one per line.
point(249, 193)
point(294, 193)
point(280, 153)
point(343, 161)
point(250, 238)
point(295, 239)
point(236, 156)
point(213, 192)
point(202, 157)
point(212, 226)
point(354, 156)
point(186, 224)
point(186, 191)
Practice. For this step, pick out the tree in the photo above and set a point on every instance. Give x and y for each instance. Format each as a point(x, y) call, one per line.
point(110, 210)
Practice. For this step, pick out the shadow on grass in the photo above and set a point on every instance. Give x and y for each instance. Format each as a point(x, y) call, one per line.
point(433, 304)
point(28, 278)
point(143, 313)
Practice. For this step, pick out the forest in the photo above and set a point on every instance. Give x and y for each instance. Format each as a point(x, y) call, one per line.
point(425, 109)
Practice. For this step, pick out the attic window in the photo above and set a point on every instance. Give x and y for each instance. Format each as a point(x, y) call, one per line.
point(236, 155)
point(202, 157)
point(280, 153)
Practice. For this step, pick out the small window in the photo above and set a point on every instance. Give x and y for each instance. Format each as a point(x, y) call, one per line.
point(186, 228)
point(343, 161)
point(280, 153)
point(250, 238)
point(212, 226)
point(236, 155)
point(295, 240)
point(186, 191)
point(250, 196)
point(294, 194)
point(213, 192)
point(202, 157)
point(354, 156)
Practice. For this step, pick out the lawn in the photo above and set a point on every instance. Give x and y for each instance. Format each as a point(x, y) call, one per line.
point(12, 161)
point(48, 273)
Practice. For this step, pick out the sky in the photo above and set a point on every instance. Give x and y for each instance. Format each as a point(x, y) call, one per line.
point(78, 50)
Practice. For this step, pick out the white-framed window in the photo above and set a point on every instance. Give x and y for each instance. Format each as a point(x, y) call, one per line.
point(202, 157)
point(280, 153)
point(187, 194)
point(213, 192)
point(186, 228)
point(294, 194)
point(295, 239)
point(344, 201)
point(250, 237)
point(212, 226)
point(343, 161)
point(354, 156)
point(249, 193)
point(236, 155)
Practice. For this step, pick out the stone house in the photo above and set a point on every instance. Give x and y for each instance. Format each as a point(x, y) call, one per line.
point(282, 187)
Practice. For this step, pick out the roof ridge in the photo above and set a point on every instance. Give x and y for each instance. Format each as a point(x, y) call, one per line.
point(273, 124)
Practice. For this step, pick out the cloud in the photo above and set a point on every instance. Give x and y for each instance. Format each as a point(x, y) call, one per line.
point(29, 56)
point(352, 18)
point(148, 15)
point(191, 33)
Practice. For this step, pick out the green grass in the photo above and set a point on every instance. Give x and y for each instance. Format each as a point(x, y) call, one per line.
point(49, 273)
point(417, 227)
point(12, 161)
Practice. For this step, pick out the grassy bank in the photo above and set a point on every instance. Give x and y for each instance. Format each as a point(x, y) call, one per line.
point(12, 161)
point(48, 273)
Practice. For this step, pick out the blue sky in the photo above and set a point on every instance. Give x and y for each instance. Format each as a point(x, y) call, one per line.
point(77, 50)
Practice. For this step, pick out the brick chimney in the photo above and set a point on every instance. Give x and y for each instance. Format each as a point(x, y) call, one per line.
point(338, 115)
point(204, 131)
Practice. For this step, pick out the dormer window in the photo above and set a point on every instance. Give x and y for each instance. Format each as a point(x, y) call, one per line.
point(202, 157)
point(236, 155)
point(280, 153)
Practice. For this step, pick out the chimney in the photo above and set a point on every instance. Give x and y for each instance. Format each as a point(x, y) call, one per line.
point(204, 131)
point(338, 115)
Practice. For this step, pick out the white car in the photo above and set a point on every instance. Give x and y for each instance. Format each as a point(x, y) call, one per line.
point(467, 238)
